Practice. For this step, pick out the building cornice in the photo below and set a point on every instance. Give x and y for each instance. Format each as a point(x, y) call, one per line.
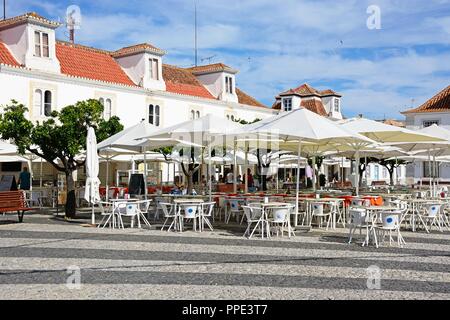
point(25, 72)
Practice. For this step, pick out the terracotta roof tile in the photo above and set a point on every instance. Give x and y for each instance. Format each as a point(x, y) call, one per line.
point(215, 67)
point(314, 105)
point(248, 100)
point(182, 81)
point(305, 90)
point(138, 48)
point(30, 16)
point(90, 63)
point(439, 103)
point(6, 56)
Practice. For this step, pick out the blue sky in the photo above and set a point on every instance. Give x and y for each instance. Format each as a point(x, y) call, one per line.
point(278, 45)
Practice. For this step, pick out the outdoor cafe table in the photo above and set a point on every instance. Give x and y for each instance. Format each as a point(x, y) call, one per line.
point(264, 220)
point(335, 203)
point(116, 202)
point(373, 215)
point(186, 201)
point(414, 207)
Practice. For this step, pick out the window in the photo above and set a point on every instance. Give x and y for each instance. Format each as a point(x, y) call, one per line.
point(41, 44)
point(229, 85)
point(37, 110)
point(336, 105)
point(287, 104)
point(429, 123)
point(192, 114)
point(154, 115)
point(232, 118)
point(154, 69)
point(198, 114)
point(434, 171)
point(107, 110)
point(47, 103)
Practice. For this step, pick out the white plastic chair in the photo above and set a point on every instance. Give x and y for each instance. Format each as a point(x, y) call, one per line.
point(168, 210)
point(254, 216)
point(281, 219)
point(357, 221)
point(234, 209)
point(318, 211)
point(109, 212)
point(430, 215)
point(189, 211)
point(207, 212)
point(132, 211)
point(390, 222)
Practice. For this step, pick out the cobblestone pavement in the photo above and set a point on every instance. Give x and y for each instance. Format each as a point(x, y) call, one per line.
point(151, 264)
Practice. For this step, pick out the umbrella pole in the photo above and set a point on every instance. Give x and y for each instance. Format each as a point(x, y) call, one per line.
point(298, 181)
point(235, 169)
point(209, 172)
point(145, 173)
point(40, 175)
point(429, 172)
point(246, 167)
point(314, 173)
point(107, 178)
point(357, 172)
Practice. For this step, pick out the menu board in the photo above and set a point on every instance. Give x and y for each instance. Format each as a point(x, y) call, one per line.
point(137, 184)
point(8, 183)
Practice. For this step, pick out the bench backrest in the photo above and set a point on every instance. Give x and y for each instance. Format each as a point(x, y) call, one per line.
point(13, 199)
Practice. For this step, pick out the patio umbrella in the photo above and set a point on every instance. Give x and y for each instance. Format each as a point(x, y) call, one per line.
point(384, 133)
point(300, 126)
point(204, 131)
point(92, 192)
point(431, 148)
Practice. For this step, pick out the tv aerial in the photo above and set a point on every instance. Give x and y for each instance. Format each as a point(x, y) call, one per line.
point(208, 58)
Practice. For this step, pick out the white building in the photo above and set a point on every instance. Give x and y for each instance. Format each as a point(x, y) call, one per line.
point(434, 111)
point(133, 83)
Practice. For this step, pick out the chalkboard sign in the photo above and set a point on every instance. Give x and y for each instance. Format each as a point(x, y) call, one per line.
point(8, 183)
point(137, 184)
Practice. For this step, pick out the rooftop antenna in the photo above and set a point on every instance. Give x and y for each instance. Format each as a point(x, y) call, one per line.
point(209, 58)
point(4, 9)
point(196, 47)
point(73, 21)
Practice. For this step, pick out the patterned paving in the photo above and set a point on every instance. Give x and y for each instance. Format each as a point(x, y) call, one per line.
point(151, 264)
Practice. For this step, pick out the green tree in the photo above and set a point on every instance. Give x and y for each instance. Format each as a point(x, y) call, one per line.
point(391, 165)
point(59, 139)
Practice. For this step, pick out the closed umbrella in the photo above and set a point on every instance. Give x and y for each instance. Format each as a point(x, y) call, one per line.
point(92, 192)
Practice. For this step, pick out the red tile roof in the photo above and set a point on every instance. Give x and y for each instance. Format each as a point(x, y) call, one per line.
point(30, 16)
point(182, 81)
point(138, 48)
point(305, 90)
point(215, 67)
point(314, 105)
point(244, 98)
point(90, 63)
point(439, 103)
point(6, 56)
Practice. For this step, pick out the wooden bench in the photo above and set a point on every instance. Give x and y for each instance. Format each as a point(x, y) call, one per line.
point(14, 201)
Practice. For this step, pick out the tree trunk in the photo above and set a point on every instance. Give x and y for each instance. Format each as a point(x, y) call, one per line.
point(190, 185)
point(70, 207)
point(391, 176)
point(264, 182)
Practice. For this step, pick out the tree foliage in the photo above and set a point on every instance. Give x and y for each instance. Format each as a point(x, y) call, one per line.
point(60, 138)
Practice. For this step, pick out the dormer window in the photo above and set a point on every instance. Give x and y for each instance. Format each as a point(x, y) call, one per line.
point(154, 69)
point(336, 105)
point(287, 104)
point(41, 44)
point(229, 85)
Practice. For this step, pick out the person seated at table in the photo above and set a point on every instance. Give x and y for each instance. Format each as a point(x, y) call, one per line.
point(251, 182)
point(239, 179)
point(230, 178)
point(177, 190)
point(221, 180)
